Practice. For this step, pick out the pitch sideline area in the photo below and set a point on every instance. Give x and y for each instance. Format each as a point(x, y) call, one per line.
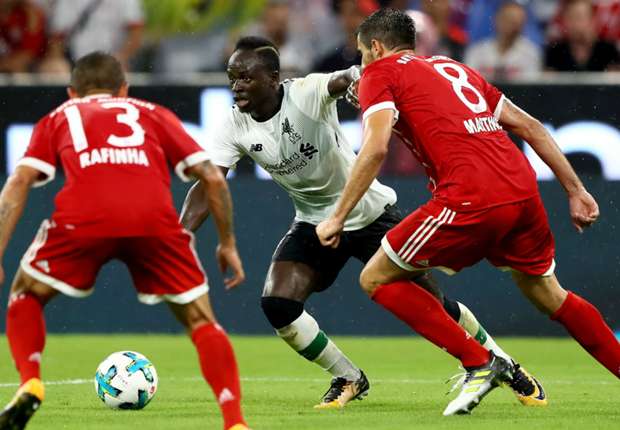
point(407, 377)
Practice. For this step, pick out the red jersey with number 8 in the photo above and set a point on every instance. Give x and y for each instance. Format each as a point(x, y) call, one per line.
point(115, 153)
point(447, 114)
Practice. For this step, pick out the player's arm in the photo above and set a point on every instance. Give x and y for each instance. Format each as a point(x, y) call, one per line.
point(377, 132)
point(340, 81)
point(195, 207)
point(219, 203)
point(583, 208)
point(12, 201)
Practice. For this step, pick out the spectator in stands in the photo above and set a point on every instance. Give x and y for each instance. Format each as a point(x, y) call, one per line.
point(297, 52)
point(350, 13)
point(480, 17)
point(426, 34)
point(509, 55)
point(191, 36)
point(79, 27)
point(452, 38)
point(580, 49)
point(22, 35)
point(606, 19)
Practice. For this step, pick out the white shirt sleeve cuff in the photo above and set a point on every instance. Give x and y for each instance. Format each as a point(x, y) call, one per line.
point(42, 166)
point(381, 106)
point(498, 109)
point(189, 161)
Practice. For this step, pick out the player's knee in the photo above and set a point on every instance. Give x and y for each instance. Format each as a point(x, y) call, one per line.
point(544, 292)
point(280, 311)
point(23, 285)
point(368, 281)
point(197, 319)
point(195, 313)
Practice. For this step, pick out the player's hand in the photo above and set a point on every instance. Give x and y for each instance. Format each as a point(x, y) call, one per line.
point(583, 209)
point(228, 258)
point(329, 232)
point(351, 96)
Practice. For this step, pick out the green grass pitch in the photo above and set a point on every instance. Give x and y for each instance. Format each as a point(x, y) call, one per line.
point(407, 379)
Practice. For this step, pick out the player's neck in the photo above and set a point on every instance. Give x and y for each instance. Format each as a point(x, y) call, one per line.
point(401, 50)
point(98, 92)
point(266, 110)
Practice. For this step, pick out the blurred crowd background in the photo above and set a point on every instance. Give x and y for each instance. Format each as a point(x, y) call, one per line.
point(505, 40)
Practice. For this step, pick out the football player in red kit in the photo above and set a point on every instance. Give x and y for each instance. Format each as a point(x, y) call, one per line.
point(115, 204)
point(485, 201)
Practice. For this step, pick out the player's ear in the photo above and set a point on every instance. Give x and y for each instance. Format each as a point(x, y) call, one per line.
point(72, 93)
point(123, 91)
point(377, 48)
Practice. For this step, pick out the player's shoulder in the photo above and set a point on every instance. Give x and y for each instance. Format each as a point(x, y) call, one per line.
point(309, 84)
point(310, 79)
point(235, 123)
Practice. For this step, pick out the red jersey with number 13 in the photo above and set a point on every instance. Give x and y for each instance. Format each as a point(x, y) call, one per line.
point(115, 153)
point(447, 115)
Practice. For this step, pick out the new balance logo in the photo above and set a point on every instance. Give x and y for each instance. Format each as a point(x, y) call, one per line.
point(308, 150)
point(256, 148)
point(225, 396)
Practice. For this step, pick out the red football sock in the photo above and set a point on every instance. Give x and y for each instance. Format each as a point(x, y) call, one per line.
point(219, 368)
point(423, 313)
point(585, 323)
point(25, 331)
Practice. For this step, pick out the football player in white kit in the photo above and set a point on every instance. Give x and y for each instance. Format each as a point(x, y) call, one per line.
point(291, 129)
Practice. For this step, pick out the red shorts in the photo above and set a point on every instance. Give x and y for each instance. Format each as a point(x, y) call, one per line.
point(514, 236)
point(162, 267)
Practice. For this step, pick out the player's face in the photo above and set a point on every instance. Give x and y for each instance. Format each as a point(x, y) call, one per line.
point(250, 81)
point(367, 55)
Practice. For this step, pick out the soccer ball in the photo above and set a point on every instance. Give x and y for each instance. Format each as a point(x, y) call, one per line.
point(126, 380)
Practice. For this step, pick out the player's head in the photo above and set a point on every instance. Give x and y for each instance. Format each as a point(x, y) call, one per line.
point(97, 72)
point(254, 72)
point(383, 33)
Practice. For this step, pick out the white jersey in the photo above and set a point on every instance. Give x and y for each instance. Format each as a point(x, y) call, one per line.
point(304, 149)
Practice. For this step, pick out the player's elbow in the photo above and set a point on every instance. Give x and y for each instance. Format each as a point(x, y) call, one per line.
point(377, 153)
point(214, 180)
point(22, 178)
point(530, 129)
point(210, 177)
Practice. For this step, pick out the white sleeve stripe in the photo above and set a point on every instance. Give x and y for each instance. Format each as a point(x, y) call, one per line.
point(189, 161)
point(380, 106)
point(40, 165)
point(498, 108)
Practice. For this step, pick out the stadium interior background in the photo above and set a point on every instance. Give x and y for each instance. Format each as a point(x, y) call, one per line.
point(178, 63)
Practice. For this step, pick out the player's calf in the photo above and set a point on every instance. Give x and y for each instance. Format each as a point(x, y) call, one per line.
point(580, 318)
point(302, 333)
point(216, 357)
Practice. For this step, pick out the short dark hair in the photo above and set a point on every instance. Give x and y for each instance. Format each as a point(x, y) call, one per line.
point(264, 48)
point(392, 27)
point(97, 71)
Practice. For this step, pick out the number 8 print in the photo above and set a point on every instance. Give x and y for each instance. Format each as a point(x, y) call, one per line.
point(458, 83)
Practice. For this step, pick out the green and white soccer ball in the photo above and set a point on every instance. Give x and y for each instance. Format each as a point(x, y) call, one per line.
point(126, 380)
